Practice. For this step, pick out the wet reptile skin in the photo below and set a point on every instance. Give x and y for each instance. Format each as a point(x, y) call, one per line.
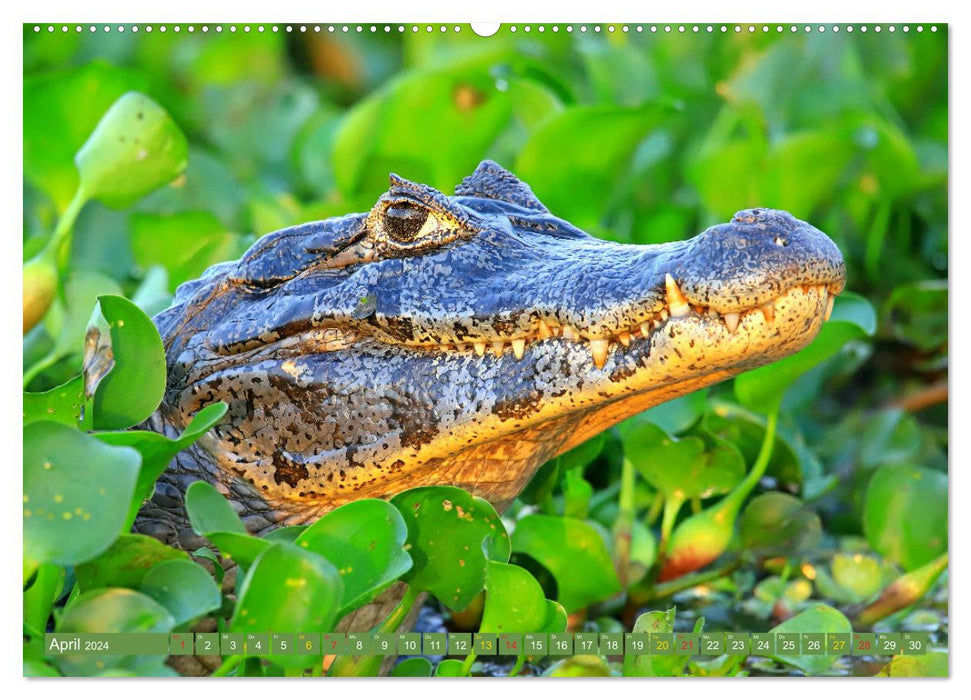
point(459, 340)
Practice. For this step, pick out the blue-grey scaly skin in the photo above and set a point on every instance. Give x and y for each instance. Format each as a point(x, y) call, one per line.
point(460, 340)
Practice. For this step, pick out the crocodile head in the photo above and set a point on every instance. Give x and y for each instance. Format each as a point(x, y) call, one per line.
point(464, 340)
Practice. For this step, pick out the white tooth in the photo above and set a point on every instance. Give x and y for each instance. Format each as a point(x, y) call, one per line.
point(646, 328)
point(480, 348)
point(624, 338)
point(519, 347)
point(676, 300)
point(731, 321)
point(768, 311)
point(712, 313)
point(570, 333)
point(497, 347)
point(664, 314)
point(829, 305)
point(460, 347)
point(599, 348)
point(544, 331)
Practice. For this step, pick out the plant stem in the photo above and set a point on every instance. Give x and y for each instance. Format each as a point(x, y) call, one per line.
point(732, 503)
point(228, 666)
point(39, 366)
point(59, 245)
point(467, 664)
point(520, 660)
point(624, 522)
point(656, 507)
point(672, 506)
point(666, 590)
point(401, 610)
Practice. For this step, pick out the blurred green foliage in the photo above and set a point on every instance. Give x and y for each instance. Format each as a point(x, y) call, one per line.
point(637, 137)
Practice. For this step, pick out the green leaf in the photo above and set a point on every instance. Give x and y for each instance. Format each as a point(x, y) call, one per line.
point(918, 314)
point(566, 546)
point(63, 404)
point(817, 619)
point(451, 536)
point(580, 666)
point(451, 668)
point(762, 389)
point(432, 127)
point(365, 540)
point(514, 601)
point(905, 514)
point(683, 468)
point(126, 563)
point(577, 160)
point(415, 667)
point(859, 576)
point(288, 588)
point(134, 149)
point(778, 524)
point(124, 364)
point(657, 622)
point(184, 588)
point(209, 511)
point(157, 450)
point(76, 491)
point(242, 549)
point(108, 610)
point(61, 108)
point(933, 664)
point(67, 322)
point(185, 243)
point(583, 454)
point(41, 596)
point(677, 415)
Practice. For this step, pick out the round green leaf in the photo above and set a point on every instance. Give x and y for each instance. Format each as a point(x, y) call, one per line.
point(242, 549)
point(134, 149)
point(184, 588)
point(288, 588)
point(108, 610)
point(514, 600)
point(905, 514)
point(574, 552)
point(415, 667)
point(125, 563)
point(451, 536)
point(683, 468)
point(933, 664)
point(451, 668)
point(365, 540)
point(209, 511)
point(64, 404)
point(124, 364)
point(580, 666)
point(779, 524)
point(76, 493)
point(817, 619)
point(157, 450)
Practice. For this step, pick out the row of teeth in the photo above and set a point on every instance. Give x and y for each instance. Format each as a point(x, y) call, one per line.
point(677, 307)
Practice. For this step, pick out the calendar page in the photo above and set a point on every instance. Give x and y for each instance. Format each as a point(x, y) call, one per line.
point(548, 349)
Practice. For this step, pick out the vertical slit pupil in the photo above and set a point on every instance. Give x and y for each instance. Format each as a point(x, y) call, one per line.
point(404, 221)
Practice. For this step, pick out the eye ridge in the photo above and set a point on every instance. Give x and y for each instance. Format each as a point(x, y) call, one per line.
point(404, 221)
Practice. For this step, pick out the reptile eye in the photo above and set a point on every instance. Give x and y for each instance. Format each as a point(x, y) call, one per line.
point(404, 221)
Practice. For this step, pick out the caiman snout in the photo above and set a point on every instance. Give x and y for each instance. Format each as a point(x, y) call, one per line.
point(758, 255)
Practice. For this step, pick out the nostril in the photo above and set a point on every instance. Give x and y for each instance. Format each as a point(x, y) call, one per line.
point(781, 242)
